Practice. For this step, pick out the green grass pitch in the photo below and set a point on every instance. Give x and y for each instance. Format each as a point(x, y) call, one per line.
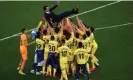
point(115, 44)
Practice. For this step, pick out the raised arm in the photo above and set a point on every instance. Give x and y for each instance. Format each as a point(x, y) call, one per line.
point(80, 23)
point(51, 9)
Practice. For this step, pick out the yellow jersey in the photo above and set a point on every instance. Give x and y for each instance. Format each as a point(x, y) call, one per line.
point(92, 38)
point(86, 43)
point(80, 55)
point(46, 39)
point(81, 32)
point(75, 42)
point(53, 46)
point(69, 43)
point(39, 44)
point(64, 52)
point(57, 35)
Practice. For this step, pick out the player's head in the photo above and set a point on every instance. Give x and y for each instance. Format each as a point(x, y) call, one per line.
point(56, 29)
point(52, 37)
point(63, 41)
point(38, 35)
point(68, 35)
point(45, 8)
point(77, 35)
point(92, 29)
point(24, 31)
point(84, 36)
point(45, 32)
point(80, 44)
point(88, 33)
point(65, 32)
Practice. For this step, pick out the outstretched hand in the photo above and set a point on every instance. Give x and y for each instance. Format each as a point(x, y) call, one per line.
point(57, 2)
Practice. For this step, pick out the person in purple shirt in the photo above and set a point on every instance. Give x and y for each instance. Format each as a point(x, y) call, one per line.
point(53, 18)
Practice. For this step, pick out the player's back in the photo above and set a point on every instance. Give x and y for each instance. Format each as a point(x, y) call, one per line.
point(64, 52)
point(80, 55)
point(57, 36)
point(39, 44)
point(69, 43)
point(75, 42)
point(46, 38)
point(53, 46)
point(86, 43)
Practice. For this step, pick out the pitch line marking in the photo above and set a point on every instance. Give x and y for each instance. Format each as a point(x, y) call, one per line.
point(115, 26)
point(120, 25)
point(69, 17)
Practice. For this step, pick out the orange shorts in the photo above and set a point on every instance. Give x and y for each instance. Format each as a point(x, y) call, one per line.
point(24, 53)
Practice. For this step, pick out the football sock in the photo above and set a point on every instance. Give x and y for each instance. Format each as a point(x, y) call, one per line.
point(87, 66)
point(54, 72)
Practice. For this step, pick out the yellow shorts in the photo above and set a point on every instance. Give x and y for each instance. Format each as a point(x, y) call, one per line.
point(70, 57)
point(46, 54)
point(63, 66)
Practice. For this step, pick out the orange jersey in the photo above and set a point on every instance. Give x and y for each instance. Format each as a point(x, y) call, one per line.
point(23, 46)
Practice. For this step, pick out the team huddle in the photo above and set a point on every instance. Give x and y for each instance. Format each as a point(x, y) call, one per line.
point(66, 47)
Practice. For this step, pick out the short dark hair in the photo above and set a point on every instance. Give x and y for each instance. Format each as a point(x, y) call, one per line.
point(44, 7)
point(52, 37)
point(88, 33)
point(84, 36)
point(63, 41)
point(40, 29)
point(23, 29)
point(77, 35)
point(45, 32)
point(68, 35)
point(56, 29)
point(92, 29)
point(65, 32)
point(80, 44)
point(38, 35)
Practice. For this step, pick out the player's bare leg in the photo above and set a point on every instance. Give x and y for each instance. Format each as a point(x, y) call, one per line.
point(87, 66)
point(20, 63)
point(72, 68)
point(44, 66)
point(95, 46)
point(22, 67)
point(63, 75)
point(68, 66)
point(93, 63)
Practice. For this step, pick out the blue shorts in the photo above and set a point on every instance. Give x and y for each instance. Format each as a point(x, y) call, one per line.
point(40, 55)
point(52, 60)
point(81, 66)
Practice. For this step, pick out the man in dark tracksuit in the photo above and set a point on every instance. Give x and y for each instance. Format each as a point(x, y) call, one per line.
point(52, 18)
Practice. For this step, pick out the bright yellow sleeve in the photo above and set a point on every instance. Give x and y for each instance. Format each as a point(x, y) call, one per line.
point(39, 25)
point(81, 32)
